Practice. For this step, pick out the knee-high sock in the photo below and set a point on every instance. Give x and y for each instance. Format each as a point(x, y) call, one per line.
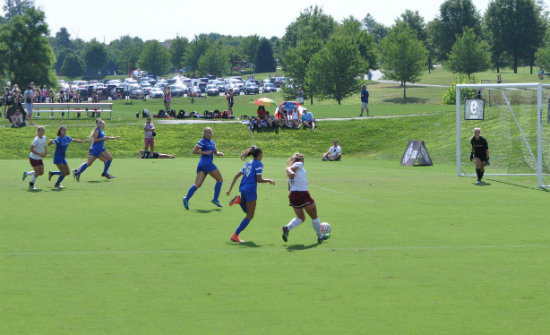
point(481, 174)
point(56, 173)
point(294, 223)
point(60, 179)
point(478, 173)
point(317, 227)
point(81, 168)
point(106, 166)
point(217, 190)
point(191, 191)
point(33, 179)
point(242, 226)
point(29, 173)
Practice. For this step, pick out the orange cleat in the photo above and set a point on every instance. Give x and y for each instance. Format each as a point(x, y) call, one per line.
point(235, 201)
point(236, 238)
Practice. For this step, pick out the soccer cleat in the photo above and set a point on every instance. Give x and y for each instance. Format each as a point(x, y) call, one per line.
point(285, 233)
point(236, 238)
point(31, 187)
point(24, 175)
point(236, 200)
point(77, 175)
point(325, 237)
point(478, 182)
point(50, 173)
point(185, 203)
point(108, 176)
point(217, 203)
point(59, 186)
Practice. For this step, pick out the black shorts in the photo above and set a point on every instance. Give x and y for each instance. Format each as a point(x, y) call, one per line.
point(481, 157)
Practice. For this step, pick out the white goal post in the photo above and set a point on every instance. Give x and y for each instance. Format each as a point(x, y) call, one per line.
point(477, 87)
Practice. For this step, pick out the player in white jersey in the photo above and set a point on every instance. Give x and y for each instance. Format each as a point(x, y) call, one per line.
point(38, 151)
point(300, 199)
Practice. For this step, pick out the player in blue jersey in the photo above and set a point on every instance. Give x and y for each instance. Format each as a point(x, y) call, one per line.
point(97, 151)
point(252, 175)
point(61, 144)
point(207, 149)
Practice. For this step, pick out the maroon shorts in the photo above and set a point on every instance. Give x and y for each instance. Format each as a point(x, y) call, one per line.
point(299, 199)
point(36, 162)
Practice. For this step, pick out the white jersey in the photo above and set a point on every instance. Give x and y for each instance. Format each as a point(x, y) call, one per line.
point(299, 182)
point(39, 144)
point(334, 150)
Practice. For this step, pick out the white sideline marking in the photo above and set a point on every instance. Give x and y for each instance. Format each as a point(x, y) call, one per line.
point(285, 249)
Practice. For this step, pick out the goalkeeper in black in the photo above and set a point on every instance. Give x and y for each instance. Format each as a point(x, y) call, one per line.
point(480, 151)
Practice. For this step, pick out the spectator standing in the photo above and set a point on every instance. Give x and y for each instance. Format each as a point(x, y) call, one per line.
point(230, 101)
point(61, 99)
point(300, 98)
point(149, 129)
point(8, 98)
point(499, 79)
point(29, 98)
point(541, 73)
point(167, 98)
point(308, 121)
point(334, 153)
point(364, 100)
point(50, 99)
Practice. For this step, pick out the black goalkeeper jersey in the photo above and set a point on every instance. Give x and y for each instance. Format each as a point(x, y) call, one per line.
point(480, 146)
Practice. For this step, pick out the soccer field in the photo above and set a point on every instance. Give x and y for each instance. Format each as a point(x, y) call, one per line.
point(414, 250)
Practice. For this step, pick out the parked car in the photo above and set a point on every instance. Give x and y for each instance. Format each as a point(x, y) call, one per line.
point(212, 89)
point(269, 87)
point(220, 83)
point(251, 88)
point(194, 91)
point(156, 92)
point(253, 81)
point(235, 87)
point(136, 93)
point(177, 90)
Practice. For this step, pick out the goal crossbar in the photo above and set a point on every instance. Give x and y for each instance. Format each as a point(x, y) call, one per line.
point(537, 86)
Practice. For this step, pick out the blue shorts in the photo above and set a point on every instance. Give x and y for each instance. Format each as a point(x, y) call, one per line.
point(97, 152)
point(247, 196)
point(59, 160)
point(207, 168)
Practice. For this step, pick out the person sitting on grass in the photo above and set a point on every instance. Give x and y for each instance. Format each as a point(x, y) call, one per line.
point(295, 118)
point(308, 121)
point(334, 153)
point(147, 154)
point(273, 121)
point(17, 119)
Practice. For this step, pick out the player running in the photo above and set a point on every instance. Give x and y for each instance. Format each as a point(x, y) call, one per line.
point(252, 175)
point(38, 151)
point(207, 149)
point(480, 150)
point(97, 151)
point(61, 144)
point(300, 199)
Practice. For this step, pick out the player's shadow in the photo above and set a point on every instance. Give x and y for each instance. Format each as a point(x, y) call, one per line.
point(34, 191)
point(483, 184)
point(296, 247)
point(206, 211)
point(249, 244)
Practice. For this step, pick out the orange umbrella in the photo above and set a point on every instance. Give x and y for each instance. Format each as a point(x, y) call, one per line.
point(264, 102)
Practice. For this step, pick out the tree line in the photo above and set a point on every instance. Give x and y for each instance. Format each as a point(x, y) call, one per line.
point(322, 55)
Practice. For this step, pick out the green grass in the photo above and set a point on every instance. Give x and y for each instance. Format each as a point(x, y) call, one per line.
point(414, 250)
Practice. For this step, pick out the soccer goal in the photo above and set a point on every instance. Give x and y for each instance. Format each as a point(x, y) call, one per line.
point(512, 120)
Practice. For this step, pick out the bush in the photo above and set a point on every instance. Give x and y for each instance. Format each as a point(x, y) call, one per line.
point(450, 96)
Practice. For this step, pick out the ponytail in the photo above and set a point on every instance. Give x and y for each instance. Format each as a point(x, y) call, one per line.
point(253, 151)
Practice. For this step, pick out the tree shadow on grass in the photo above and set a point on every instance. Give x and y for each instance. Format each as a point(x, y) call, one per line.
point(296, 247)
point(407, 101)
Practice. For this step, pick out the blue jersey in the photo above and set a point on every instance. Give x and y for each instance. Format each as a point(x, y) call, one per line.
point(61, 145)
point(98, 146)
point(206, 145)
point(251, 170)
point(365, 96)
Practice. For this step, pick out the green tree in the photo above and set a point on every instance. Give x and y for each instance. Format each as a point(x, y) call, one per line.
point(12, 8)
point(297, 61)
point(249, 47)
point(265, 62)
point(454, 16)
point(542, 57)
point(403, 56)
point(155, 58)
point(95, 56)
point(177, 50)
point(516, 27)
point(312, 22)
point(469, 54)
point(195, 50)
point(27, 55)
point(416, 22)
point(235, 55)
point(351, 27)
point(214, 61)
point(332, 71)
point(73, 66)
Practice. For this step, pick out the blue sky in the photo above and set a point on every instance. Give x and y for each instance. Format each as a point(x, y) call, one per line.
point(107, 20)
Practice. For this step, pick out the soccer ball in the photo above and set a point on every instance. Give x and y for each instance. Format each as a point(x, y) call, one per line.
point(325, 228)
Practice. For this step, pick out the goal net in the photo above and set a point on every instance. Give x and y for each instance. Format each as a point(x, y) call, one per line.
point(514, 118)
